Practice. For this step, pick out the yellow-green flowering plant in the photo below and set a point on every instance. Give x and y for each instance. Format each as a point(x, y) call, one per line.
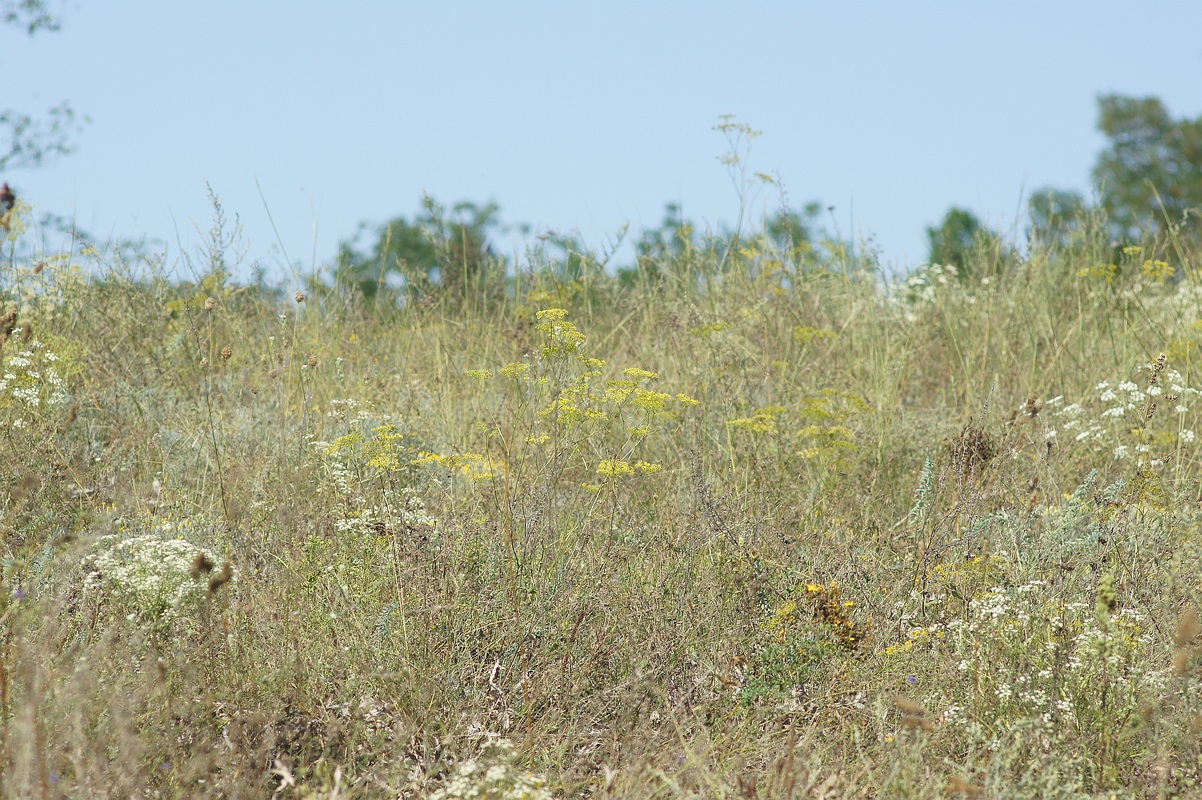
point(556, 414)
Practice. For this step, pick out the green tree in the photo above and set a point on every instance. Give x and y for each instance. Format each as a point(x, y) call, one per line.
point(1055, 216)
point(32, 140)
point(963, 241)
point(953, 240)
point(659, 247)
point(32, 15)
point(433, 252)
point(1150, 174)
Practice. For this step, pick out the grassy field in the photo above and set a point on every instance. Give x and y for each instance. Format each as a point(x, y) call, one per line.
point(756, 523)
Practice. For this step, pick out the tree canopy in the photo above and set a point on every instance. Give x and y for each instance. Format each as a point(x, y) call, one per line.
point(1150, 173)
point(1147, 181)
point(453, 251)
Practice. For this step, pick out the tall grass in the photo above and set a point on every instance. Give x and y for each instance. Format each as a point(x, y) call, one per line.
point(751, 524)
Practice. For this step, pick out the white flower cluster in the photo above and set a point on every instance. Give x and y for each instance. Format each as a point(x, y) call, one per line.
point(411, 511)
point(1038, 644)
point(1127, 396)
point(498, 780)
point(403, 508)
point(922, 285)
point(341, 409)
point(158, 577)
point(30, 383)
point(1103, 420)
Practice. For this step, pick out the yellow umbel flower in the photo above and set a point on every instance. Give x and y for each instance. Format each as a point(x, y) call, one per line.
point(613, 467)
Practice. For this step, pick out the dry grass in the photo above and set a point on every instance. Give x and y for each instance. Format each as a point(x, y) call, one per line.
point(756, 531)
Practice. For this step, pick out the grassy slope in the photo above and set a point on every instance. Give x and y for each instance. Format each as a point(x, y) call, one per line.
point(877, 558)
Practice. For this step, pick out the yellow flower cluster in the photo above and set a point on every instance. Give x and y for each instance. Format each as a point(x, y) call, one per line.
point(1158, 271)
point(473, 466)
point(1108, 273)
point(828, 607)
point(562, 337)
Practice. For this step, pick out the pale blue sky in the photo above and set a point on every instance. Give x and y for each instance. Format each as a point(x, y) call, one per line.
point(578, 115)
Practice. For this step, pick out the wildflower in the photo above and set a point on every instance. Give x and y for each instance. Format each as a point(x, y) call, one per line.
point(649, 400)
point(618, 391)
point(156, 576)
point(612, 468)
point(515, 370)
point(805, 335)
point(634, 372)
point(551, 314)
point(1158, 271)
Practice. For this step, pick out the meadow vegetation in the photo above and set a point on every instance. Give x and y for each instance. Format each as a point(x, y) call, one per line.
point(754, 520)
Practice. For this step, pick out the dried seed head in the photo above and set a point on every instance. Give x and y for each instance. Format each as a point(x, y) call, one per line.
point(8, 323)
point(312, 361)
point(226, 352)
point(210, 304)
point(300, 297)
point(202, 565)
point(908, 706)
point(221, 578)
point(1157, 368)
point(204, 361)
point(971, 450)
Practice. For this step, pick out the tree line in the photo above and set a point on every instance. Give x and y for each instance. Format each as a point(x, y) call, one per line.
point(1147, 190)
